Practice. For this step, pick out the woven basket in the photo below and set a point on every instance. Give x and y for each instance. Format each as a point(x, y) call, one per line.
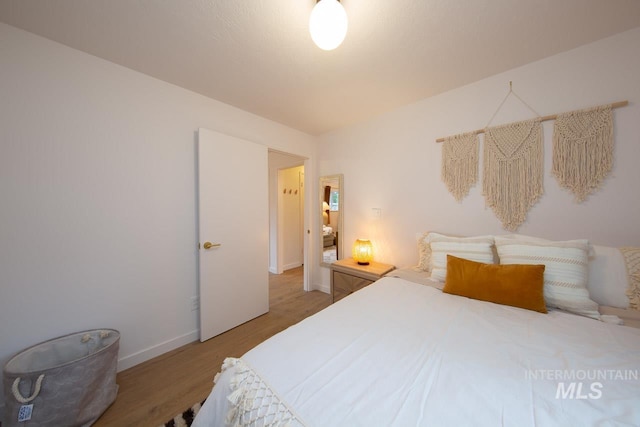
point(67, 381)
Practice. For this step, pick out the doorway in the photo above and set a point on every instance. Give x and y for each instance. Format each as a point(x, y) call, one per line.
point(286, 212)
point(290, 219)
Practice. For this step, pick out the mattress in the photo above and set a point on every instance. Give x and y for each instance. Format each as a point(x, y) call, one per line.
point(398, 353)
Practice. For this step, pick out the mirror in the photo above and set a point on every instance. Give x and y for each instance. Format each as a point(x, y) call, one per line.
point(331, 218)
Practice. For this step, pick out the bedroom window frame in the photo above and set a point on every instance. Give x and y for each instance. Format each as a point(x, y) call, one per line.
point(334, 201)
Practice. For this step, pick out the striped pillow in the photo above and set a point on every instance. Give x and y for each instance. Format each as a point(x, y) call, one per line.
point(479, 249)
point(566, 269)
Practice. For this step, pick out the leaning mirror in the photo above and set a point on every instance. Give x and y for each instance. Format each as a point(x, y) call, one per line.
point(331, 218)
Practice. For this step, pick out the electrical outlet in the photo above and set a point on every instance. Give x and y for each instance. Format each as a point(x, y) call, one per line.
point(195, 303)
point(376, 212)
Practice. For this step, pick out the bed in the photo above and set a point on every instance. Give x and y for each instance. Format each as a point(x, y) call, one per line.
point(401, 352)
point(328, 236)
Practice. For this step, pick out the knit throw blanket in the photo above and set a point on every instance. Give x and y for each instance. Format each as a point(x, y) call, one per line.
point(512, 174)
point(632, 260)
point(583, 149)
point(253, 402)
point(460, 163)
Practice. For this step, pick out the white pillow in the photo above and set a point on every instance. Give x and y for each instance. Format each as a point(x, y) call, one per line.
point(566, 269)
point(608, 280)
point(479, 249)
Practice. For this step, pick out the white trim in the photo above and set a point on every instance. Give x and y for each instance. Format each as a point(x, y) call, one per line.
point(156, 350)
point(291, 265)
point(306, 225)
point(322, 287)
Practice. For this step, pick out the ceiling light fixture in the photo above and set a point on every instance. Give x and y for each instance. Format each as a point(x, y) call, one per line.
point(328, 24)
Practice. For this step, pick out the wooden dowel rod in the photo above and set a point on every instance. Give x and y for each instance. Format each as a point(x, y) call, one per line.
point(549, 117)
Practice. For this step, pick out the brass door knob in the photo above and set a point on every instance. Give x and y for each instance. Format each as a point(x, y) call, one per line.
point(209, 245)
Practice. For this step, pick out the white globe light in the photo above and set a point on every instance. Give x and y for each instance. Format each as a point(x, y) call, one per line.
point(328, 24)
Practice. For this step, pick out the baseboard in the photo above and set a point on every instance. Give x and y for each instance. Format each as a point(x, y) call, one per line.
point(273, 270)
point(156, 350)
point(291, 265)
point(321, 287)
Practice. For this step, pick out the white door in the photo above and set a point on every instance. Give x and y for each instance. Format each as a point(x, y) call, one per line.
point(233, 231)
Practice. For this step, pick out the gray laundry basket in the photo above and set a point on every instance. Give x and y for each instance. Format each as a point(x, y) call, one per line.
point(67, 381)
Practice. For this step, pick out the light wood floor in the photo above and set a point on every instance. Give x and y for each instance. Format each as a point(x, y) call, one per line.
point(153, 392)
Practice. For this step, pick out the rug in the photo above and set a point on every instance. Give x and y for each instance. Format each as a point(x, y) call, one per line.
point(184, 419)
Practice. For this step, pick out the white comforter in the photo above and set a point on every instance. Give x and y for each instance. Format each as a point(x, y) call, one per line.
point(398, 353)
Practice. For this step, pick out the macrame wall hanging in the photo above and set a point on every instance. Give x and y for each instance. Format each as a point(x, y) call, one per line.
point(583, 149)
point(513, 159)
point(512, 172)
point(460, 163)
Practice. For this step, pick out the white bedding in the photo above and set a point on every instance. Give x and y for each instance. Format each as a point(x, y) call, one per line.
point(397, 353)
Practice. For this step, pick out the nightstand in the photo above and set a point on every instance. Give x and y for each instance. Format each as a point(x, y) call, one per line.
point(347, 276)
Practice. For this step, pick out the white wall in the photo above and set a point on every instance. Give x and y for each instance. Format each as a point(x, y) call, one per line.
point(97, 193)
point(393, 162)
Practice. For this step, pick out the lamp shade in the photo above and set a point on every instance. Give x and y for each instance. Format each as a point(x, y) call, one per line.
point(325, 206)
point(328, 24)
point(363, 251)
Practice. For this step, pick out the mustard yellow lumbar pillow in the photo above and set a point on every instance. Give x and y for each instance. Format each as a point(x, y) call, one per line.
point(517, 285)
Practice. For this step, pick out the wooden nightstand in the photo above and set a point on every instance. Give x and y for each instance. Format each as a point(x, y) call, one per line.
point(347, 276)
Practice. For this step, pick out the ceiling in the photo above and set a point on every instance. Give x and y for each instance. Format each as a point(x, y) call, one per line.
point(257, 55)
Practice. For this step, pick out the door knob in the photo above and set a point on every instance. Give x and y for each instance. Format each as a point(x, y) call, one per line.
point(209, 245)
